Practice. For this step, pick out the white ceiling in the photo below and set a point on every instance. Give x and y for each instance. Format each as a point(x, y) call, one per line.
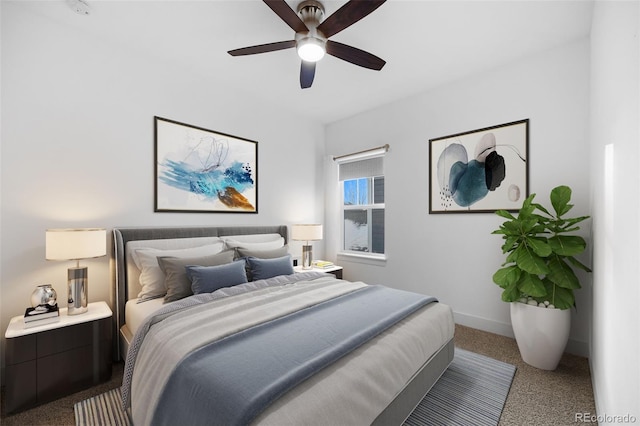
point(425, 43)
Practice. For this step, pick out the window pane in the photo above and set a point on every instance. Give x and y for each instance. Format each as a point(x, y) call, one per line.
point(377, 231)
point(350, 192)
point(363, 191)
point(356, 230)
point(378, 190)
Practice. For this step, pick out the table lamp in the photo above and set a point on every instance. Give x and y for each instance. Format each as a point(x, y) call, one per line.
point(306, 233)
point(76, 244)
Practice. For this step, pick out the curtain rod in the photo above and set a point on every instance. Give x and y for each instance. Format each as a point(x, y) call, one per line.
point(385, 147)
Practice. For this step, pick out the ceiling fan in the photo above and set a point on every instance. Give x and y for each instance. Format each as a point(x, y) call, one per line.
point(312, 35)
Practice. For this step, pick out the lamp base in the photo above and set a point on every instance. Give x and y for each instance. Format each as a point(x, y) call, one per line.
point(306, 257)
point(77, 291)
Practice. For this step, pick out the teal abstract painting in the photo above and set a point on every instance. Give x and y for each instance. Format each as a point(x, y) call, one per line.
point(479, 171)
point(199, 170)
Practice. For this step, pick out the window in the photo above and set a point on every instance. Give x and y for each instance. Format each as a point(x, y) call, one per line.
point(362, 207)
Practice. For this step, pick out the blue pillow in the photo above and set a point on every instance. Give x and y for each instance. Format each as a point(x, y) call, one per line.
point(261, 269)
point(207, 279)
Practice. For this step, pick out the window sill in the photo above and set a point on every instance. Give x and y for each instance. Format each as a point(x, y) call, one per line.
point(371, 259)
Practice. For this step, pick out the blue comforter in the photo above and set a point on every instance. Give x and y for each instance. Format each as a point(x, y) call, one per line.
point(239, 376)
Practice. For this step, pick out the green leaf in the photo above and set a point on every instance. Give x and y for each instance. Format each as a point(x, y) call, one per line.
point(513, 227)
point(511, 293)
point(575, 262)
point(530, 262)
point(539, 246)
point(541, 208)
point(561, 274)
point(567, 245)
point(559, 297)
point(531, 285)
point(572, 221)
point(528, 225)
point(505, 214)
point(560, 197)
point(509, 243)
point(507, 276)
point(527, 208)
point(525, 212)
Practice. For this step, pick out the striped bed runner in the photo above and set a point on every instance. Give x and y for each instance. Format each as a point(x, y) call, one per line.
point(472, 391)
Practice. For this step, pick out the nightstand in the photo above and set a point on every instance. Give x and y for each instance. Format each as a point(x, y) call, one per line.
point(335, 270)
point(52, 360)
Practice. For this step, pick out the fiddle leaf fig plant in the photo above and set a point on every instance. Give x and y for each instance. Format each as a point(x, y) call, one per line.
point(541, 250)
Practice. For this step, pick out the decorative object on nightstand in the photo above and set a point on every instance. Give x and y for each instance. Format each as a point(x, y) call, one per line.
point(76, 244)
point(44, 307)
point(311, 232)
point(41, 314)
point(322, 264)
point(44, 295)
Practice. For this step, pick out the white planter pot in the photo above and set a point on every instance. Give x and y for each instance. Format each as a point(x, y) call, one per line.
point(541, 334)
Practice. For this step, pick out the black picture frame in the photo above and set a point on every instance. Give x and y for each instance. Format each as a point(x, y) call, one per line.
point(198, 170)
point(480, 171)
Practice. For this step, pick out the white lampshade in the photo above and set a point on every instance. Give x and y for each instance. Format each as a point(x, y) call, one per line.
point(312, 232)
point(74, 244)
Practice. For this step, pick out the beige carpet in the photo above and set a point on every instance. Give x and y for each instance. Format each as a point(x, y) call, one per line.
point(536, 397)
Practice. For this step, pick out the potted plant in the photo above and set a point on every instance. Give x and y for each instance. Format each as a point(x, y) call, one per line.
point(538, 277)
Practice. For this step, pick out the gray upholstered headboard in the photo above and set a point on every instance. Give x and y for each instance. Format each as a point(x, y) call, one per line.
point(121, 236)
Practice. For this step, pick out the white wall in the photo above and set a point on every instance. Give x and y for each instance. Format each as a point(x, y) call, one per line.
point(615, 155)
point(78, 148)
point(453, 256)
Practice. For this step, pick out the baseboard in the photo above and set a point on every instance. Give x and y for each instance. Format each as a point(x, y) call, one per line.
point(574, 347)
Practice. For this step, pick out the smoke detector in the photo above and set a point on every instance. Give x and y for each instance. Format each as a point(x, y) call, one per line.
point(81, 7)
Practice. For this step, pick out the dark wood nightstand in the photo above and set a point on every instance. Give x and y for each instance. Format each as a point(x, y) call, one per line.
point(49, 361)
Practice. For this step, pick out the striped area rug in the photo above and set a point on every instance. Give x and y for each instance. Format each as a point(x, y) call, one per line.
point(472, 391)
point(101, 410)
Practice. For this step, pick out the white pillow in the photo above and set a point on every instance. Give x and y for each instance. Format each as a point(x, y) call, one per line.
point(255, 242)
point(151, 276)
point(253, 238)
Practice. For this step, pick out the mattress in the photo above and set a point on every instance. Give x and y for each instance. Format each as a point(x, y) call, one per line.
point(136, 312)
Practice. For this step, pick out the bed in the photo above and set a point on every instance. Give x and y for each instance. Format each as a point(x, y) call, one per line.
point(177, 344)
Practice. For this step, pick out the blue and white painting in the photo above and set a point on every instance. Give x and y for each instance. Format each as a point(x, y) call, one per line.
point(205, 171)
point(480, 171)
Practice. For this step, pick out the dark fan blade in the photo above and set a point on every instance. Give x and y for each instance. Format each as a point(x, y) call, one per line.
point(354, 55)
point(307, 72)
point(347, 15)
point(263, 48)
point(291, 18)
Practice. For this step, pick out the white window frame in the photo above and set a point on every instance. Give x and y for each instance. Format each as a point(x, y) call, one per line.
point(353, 254)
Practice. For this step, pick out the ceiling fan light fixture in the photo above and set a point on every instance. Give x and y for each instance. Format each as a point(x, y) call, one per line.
point(311, 49)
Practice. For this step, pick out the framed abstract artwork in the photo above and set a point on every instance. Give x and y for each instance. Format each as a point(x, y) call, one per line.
point(480, 171)
point(199, 170)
